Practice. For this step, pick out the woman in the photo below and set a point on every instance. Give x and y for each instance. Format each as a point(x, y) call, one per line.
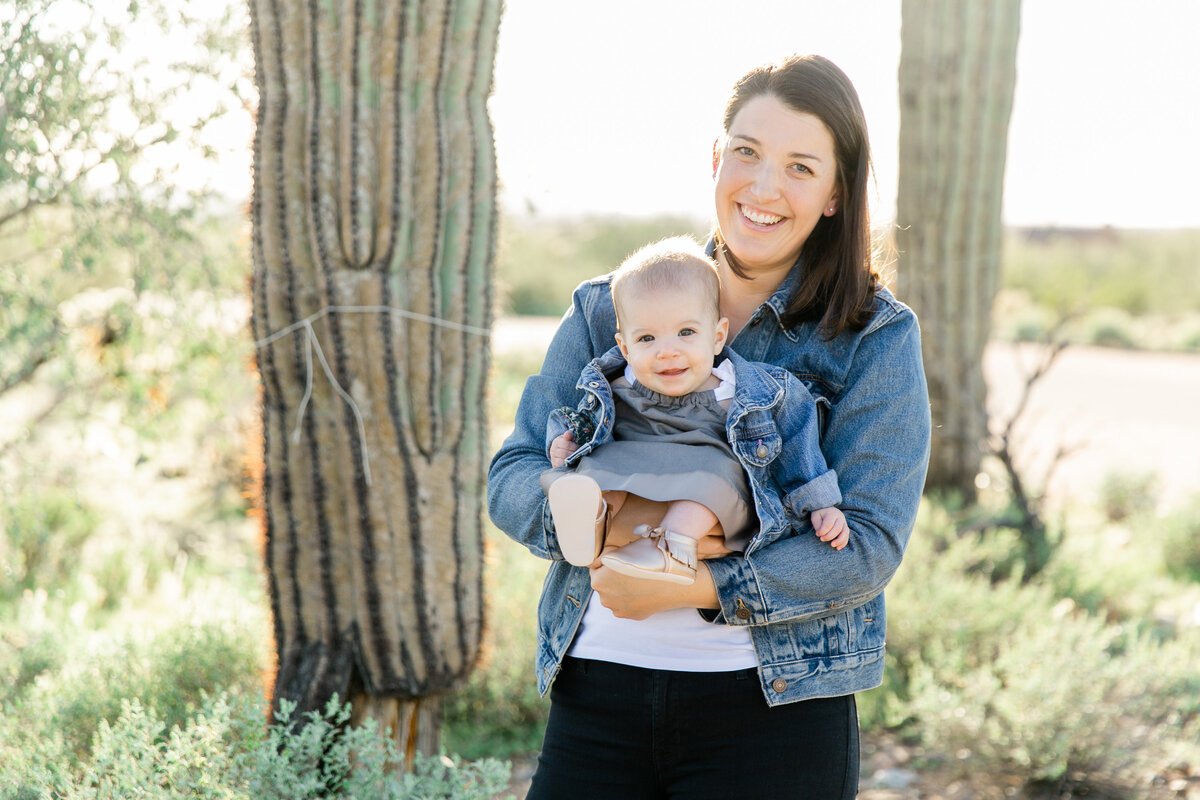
point(742, 683)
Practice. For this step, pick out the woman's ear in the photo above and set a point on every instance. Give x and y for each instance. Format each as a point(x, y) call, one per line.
point(832, 207)
point(716, 156)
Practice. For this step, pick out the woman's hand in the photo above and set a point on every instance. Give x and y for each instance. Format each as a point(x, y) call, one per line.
point(638, 598)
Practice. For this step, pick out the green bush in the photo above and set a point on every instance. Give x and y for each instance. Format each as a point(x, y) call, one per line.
point(223, 750)
point(1181, 545)
point(1135, 271)
point(1108, 327)
point(45, 529)
point(170, 672)
point(1019, 678)
point(1128, 494)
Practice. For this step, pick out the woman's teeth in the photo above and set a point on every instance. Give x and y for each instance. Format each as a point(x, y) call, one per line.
point(760, 217)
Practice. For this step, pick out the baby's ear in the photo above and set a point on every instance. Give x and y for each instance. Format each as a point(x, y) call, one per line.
point(621, 343)
point(722, 333)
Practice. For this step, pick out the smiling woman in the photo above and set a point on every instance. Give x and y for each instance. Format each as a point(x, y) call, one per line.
point(762, 647)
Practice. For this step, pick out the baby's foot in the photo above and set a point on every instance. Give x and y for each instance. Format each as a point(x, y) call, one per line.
point(658, 555)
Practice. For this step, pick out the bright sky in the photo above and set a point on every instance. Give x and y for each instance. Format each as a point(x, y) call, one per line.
point(613, 107)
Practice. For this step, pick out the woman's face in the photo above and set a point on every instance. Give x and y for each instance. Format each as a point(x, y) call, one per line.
point(776, 175)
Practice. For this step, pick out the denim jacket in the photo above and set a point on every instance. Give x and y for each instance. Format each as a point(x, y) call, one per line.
point(815, 615)
point(771, 426)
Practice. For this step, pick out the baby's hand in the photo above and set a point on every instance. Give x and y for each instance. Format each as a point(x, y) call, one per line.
point(830, 525)
point(561, 447)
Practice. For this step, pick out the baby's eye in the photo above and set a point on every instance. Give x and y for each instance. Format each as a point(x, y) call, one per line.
point(645, 337)
point(687, 332)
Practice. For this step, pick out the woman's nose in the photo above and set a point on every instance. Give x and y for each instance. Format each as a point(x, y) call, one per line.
point(765, 184)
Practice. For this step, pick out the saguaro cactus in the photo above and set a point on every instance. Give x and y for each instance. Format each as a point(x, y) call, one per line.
point(957, 77)
point(374, 224)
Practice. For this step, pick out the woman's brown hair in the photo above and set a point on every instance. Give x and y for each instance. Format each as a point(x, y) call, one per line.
point(838, 284)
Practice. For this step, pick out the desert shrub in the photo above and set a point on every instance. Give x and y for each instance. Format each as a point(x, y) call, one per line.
point(1108, 327)
point(1128, 494)
point(1181, 545)
point(44, 531)
point(1016, 318)
point(1187, 334)
point(1020, 678)
point(1136, 271)
point(1064, 691)
point(170, 672)
point(223, 750)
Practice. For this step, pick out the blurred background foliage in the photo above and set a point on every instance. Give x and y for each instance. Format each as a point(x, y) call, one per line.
point(132, 608)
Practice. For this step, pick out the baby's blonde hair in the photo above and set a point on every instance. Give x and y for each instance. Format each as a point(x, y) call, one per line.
point(677, 264)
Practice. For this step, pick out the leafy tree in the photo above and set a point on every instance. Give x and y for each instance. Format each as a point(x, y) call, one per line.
point(100, 108)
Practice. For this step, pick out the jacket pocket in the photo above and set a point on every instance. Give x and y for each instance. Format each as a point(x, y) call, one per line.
point(758, 447)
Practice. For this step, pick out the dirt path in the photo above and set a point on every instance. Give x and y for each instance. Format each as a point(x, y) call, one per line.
point(1119, 411)
point(1122, 411)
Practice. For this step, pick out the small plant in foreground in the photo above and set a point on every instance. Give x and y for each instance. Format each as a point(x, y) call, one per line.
point(224, 751)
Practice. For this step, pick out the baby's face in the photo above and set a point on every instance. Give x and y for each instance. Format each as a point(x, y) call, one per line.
point(670, 338)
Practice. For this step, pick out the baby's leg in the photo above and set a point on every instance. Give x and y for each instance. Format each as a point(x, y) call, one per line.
point(615, 499)
point(688, 517)
point(636, 511)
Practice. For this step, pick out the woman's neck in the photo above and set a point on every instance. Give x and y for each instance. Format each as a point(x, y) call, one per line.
point(741, 297)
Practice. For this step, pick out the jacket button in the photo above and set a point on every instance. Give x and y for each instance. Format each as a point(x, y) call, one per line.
point(779, 685)
point(762, 451)
point(742, 613)
point(593, 384)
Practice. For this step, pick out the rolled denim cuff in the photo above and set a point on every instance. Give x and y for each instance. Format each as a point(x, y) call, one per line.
point(737, 591)
point(552, 548)
point(821, 492)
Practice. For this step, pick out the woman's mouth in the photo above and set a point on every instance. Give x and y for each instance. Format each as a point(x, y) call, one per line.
point(759, 217)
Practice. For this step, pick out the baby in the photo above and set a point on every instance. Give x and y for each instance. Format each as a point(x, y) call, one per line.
point(658, 419)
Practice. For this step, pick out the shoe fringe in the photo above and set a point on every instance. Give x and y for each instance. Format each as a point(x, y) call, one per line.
point(675, 545)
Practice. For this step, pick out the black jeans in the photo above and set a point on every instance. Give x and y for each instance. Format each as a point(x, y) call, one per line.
point(626, 733)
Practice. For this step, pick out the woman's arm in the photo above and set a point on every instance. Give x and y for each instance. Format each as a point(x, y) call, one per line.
point(877, 441)
point(516, 503)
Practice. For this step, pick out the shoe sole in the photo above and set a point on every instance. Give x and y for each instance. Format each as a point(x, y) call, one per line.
point(573, 503)
point(645, 574)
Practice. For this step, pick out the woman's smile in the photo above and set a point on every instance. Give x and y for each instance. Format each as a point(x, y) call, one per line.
point(757, 216)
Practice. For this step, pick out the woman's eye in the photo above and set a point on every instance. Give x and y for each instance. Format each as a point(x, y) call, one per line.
point(744, 151)
point(801, 168)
